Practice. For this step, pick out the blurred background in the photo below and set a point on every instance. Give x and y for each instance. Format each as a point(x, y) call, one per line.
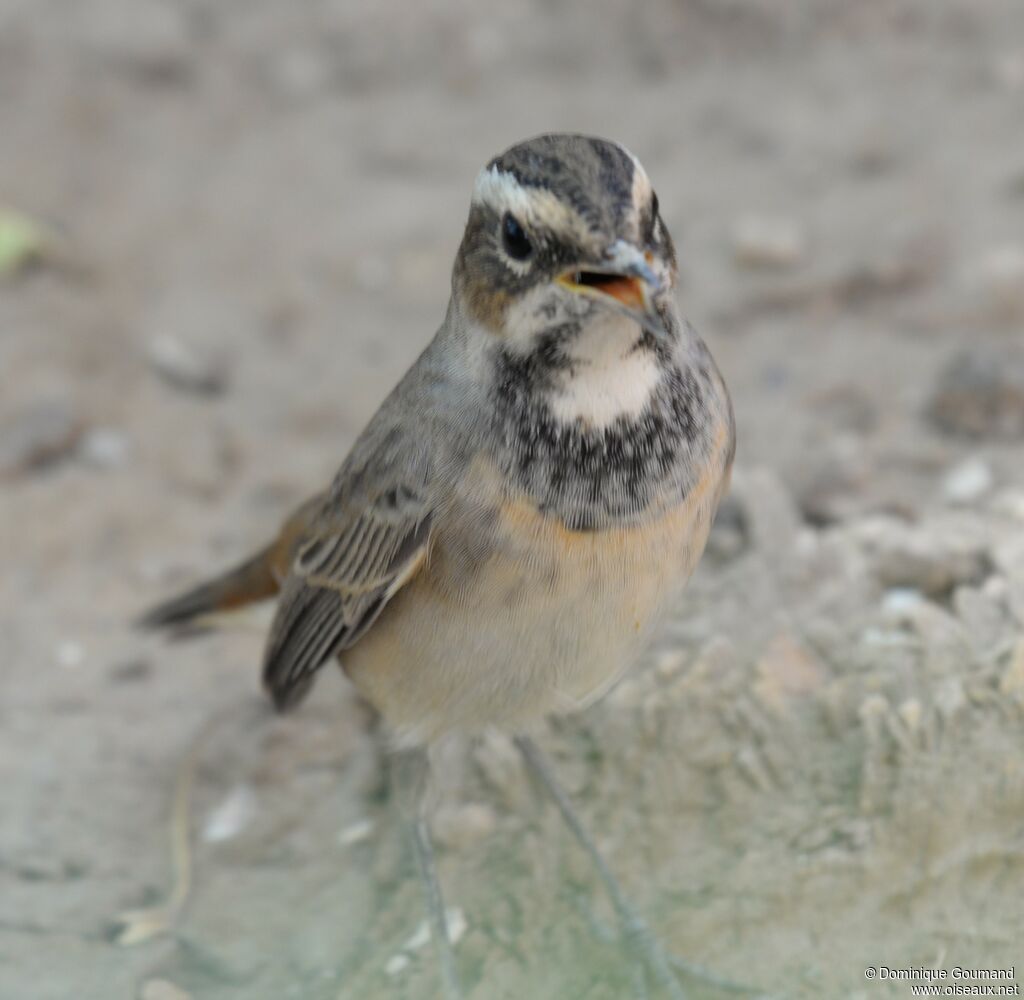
point(226, 229)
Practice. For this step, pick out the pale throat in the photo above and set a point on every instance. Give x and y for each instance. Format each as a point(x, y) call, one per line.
point(609, 376)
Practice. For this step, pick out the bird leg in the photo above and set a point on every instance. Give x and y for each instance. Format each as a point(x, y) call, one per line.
point(410, 773)
point(634, 929)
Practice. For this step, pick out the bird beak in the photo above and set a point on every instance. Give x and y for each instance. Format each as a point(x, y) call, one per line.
point(623, 280)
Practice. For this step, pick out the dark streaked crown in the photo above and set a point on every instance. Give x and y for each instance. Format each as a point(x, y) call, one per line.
point(592, 175)
point(574, 196)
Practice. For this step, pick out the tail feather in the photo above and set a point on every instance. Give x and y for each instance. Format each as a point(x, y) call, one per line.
point(256, 579)
point(252, 580)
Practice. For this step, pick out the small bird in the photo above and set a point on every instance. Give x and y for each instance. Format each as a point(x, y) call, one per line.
point(526, 504)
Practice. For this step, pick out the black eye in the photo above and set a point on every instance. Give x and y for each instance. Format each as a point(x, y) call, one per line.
point(513, 236)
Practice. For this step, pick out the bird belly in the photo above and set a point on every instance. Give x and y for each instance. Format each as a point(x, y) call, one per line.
point(515, 616)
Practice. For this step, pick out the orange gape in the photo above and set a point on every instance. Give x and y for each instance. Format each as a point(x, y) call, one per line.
point(628, 291)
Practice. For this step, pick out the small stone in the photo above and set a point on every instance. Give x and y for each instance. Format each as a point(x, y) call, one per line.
point(910, 713)
point(460, 827)
point(768, 242)
point(874, 709)
point(104, 448)
point(1010, 503)
point(900, 603)
point(728, 537)
point(356, 833)
point(185, 367)
point(300, 72)
point(499, 761)
point(946, 644)
point(70, 654)
point(1000, 277)
point(967, 482)
point(148, 38)
point(769, 512)
point(880, 638)
point(950, 698)
point(832, 489)
point(232, 816)
point(1008, 554)
point(38, 436)
point(980, 394)
point(981, 612)
point(420, 938)
point(23, 242)
point(847, 406)
point(1012, 681)
point(1008, 70)
point(130, 671)
point(786, 671)
point(162, 989)
point(932, 559)
point(669, 663)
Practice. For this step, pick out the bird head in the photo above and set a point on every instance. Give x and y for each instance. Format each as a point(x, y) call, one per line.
point(563, 232)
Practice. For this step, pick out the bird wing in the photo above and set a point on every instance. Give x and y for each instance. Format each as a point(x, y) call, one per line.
point(364, 546)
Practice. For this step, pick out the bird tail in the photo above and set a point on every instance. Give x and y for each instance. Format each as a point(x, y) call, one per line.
point(250, 581)
point(255, 579)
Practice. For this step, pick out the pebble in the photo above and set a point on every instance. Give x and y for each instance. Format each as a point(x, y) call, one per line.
point(768, 242)
point(1008, 70)
point(40, 435)
point(728, 537)
point(832, 489)
point(162, 989)
point(950, 698)
point(1012, 681)
point(420, 938)
point(147, 36)
point(967, 482)
point(769, 512)
point(397, 964)
point(104, 448)
point(186, 367)
point(932, 559)
point(461, 826)
point(301, 73)
point(900, 603)
point(981, 612)
point(1000, 278)
point(356, 833)
point(70, 654)
point(787, 671)
point(499, 761)
point(911, 713)
point(946, 643)
point(980, 394)
point(1010, 503)
point(1008, 556)
point(231, 816)
point(23, 242)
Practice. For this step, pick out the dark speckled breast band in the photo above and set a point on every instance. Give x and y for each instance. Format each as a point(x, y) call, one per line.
point(593, 478)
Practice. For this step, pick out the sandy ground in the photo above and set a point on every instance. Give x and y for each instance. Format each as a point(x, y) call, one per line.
point(252, 209)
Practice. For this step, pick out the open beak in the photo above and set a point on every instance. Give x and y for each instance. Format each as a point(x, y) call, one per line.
point(623, 280)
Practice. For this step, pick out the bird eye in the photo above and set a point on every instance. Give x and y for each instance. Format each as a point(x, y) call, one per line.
point(654, 205)
point(513, 236)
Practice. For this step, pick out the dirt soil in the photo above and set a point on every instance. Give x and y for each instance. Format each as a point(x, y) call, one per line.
point(248, 215)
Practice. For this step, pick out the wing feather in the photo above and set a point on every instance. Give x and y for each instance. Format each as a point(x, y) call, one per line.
point(349, 564)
